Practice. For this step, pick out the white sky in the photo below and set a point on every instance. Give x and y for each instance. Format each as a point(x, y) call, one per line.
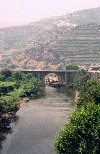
point(17, 12)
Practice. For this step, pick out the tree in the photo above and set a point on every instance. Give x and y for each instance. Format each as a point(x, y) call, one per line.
point(72, 67)
point(81, 78)
point(6, 73)
point(17, 75)
point(90, 93)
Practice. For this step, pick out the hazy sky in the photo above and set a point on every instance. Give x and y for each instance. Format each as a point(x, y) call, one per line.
point(17, 12)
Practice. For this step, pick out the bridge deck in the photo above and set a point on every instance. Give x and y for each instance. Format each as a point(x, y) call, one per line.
point(50, 71)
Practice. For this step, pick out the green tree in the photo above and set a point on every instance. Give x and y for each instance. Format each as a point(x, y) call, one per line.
point(72, 67)
point(90, 93)
point(5, 73)
point(17, 75)
point(81, 79)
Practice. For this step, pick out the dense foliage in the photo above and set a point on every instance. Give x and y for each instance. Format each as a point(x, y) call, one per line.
point(82, 132)
point(72, 67)
point(90, 93)
point(6, 87)
point(81, 79)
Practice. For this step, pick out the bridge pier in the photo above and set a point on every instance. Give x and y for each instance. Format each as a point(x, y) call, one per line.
point(66, 80)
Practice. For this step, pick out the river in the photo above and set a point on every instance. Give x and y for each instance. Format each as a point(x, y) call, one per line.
point(38, 123)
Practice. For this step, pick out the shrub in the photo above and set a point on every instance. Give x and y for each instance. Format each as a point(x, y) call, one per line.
point(8, 105)
point(6, 87)
point(90, 92)
point(82, 133)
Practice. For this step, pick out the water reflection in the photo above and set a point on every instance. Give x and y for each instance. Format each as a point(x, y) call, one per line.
point(6, 129)
point(70, 92)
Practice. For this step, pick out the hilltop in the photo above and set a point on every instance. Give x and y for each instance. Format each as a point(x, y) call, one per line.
point(52, 43)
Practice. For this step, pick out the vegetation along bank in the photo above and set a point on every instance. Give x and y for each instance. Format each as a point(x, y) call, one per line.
point(81, 134)
point(13, 87)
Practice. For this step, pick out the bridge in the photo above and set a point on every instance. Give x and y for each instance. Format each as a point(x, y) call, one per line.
point(64, 76)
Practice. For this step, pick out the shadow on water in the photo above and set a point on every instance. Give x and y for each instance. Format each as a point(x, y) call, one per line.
point(69, 92)
point(6, 128)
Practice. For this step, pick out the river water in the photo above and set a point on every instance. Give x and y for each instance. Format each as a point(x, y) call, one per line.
point(38, 123)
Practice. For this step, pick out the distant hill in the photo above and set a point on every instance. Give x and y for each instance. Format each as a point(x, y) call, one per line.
point(52, 43)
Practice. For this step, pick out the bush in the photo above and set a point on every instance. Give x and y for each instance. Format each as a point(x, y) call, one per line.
point(8, 105)
point(6, 87)
point(90, 93)
point(82, 133)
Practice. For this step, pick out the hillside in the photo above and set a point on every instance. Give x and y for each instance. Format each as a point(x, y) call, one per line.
point(53, 43)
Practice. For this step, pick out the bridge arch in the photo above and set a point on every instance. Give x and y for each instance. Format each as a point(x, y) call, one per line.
point(64, 75)
point(52, 78)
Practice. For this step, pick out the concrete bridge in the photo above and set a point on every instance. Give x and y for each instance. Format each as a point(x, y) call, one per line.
point(64, 76)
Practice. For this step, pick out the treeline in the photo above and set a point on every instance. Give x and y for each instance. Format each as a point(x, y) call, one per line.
point(81, 134)
point(13, 87)
point(79, 80)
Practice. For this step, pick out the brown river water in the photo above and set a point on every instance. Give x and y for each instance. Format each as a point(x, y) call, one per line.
point(38, 123)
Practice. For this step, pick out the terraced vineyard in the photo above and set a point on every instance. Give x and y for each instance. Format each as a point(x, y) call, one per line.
point(80, 45)
point(53, 43)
